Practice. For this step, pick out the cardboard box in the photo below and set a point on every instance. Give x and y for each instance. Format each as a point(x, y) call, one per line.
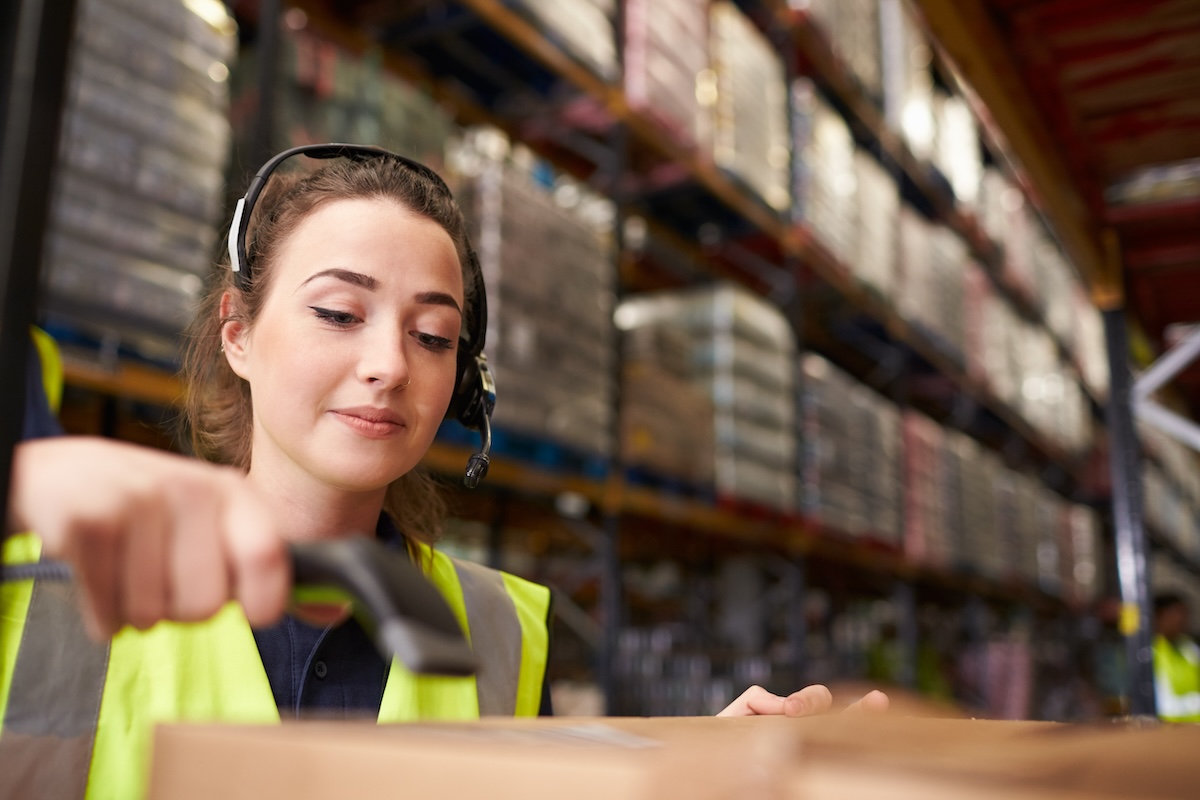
point(840, 756)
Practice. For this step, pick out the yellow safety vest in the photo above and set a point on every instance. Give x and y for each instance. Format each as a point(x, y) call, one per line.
point(1177, 679)
point(78, 716)
point(52, 367)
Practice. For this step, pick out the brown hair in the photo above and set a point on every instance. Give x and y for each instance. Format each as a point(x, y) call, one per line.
point(218, 415)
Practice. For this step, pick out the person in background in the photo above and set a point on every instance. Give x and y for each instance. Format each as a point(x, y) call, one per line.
point(1176, 661)
point(317, 374)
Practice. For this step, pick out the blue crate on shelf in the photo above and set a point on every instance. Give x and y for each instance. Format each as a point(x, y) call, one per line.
point(530, 449)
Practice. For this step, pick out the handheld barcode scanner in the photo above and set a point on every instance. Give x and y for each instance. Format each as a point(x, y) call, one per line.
point(404, 614)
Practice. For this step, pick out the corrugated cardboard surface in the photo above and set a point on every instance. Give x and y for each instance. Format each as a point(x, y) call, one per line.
point(839, 756)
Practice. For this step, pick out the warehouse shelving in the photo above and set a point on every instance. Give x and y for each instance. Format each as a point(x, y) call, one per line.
point(781, 241)
point(757, 236)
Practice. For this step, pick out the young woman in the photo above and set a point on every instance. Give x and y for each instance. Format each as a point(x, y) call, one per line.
point(318, 373)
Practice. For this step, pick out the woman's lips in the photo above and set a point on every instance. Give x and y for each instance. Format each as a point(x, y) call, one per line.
point(375, 423)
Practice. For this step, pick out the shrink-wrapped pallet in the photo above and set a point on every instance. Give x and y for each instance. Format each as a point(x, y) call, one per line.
point(742, 355)
point(751, 120)
point(825, 188)
point(549, 273)
point(666, 60)
point(581, 28)
point(137, 195)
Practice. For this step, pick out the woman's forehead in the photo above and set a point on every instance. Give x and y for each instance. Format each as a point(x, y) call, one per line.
point(373, 228)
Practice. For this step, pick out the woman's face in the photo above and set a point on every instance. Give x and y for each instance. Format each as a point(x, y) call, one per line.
point(352, 360)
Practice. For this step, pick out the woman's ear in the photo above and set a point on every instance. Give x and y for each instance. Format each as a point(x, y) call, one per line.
point(235, 335)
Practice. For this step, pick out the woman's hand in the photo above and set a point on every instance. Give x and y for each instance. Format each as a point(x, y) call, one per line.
point(150, 535)
point(809, 701)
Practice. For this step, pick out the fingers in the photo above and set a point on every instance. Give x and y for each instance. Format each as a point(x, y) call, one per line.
point(150, 536)
point(94, 550)
point(756, 700)
point(143, 583)
point(874, 702)
point(198, 564)
point(262, 576)
point(809, 701)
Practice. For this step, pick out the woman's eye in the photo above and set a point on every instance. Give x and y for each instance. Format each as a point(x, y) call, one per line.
point(435, 342)
point(335, 317)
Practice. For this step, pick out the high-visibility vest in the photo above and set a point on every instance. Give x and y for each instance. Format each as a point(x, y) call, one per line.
point(1177, 679)
point(78, 716)
point(52, 367)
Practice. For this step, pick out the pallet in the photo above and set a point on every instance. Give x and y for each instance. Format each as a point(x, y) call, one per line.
point(670, 485)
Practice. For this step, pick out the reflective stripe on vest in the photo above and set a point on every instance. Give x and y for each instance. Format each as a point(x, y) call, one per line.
point(498, 616)
point(63, 696)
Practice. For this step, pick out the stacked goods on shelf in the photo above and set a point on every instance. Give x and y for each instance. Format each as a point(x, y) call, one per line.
point(1048, 549)
point(549, 274)
point(997, 197)
point(956, 149)
point(1005, 552)
point(1019, 363)
point(948, 264)
point(825, 184)
point(1018, 240)
point(1056, 286)
point(583, 28)
point(990, 328)
point(850, 470)
point(1170, 489)
point(666, 420)
point(327, 94)
point(907, 78)
point(743, 354)
point(853, 30)
point(1027, 533)
point(1080, 554)
point(751, 122)
point(926, 538)
point(932, 263)
point(666, 51)
point(661, 670)
point(137, 194)
point(874, 254)
point(982, 550)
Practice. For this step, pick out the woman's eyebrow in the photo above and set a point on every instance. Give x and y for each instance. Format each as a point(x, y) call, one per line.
point(437, 299)
point(354, 278)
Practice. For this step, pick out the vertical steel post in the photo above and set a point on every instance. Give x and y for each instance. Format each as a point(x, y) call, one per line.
point(262, 136)
point(904, 598)
point(35, 42)
point(611, 604)
point(1136, 623)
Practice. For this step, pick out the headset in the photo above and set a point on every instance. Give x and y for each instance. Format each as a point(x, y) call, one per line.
point(474, 397)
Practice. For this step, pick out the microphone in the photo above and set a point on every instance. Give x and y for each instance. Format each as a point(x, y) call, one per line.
point(477, 464)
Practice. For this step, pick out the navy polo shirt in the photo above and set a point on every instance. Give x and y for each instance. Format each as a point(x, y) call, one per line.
point(333, 671)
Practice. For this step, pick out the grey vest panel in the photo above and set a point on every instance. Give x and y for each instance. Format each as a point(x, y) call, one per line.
point(54, 700)
point(495, 634)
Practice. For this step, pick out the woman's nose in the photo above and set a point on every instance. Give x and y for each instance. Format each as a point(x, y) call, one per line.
point(384, 362)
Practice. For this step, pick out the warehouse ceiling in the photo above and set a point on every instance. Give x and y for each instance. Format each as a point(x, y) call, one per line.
point(1100, 101)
